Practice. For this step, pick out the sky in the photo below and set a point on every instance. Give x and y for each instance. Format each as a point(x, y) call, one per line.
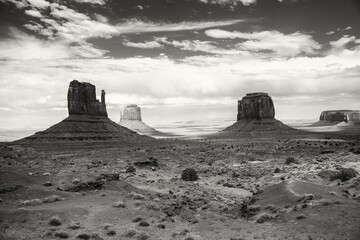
point(179, 60)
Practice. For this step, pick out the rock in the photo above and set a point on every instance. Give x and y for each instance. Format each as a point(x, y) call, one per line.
point(130, 118)
point(119, 204)
point(256, 112)
point(82, 100)
point(131, 112)
point(333, 117)
point(256, 106)
point(87, 121)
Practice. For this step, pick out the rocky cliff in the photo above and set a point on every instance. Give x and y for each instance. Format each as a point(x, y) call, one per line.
point(255, 106)
point(82, 100)
point(130, 118)
point(256, 112)
point(87, 121)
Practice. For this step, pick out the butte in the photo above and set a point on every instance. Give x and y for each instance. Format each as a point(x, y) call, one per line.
point(130, 118)
point(87, 120)
point(256, 112)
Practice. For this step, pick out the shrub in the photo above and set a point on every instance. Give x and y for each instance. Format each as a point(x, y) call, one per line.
point(345, 174)
point(189, 174)
point(55, 221)
point(290, 160)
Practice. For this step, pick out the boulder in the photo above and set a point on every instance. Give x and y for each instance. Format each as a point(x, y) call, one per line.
point(82, 100)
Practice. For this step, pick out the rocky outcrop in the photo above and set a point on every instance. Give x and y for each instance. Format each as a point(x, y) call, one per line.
point(255, 106)
point(82, 100)
point(334, 117)
point(130, 118)
point(256, 112)
point(87, 121)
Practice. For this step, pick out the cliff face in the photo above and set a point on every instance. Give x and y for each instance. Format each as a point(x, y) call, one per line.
point(256, 106)
point(131, 112)
point(82, 100)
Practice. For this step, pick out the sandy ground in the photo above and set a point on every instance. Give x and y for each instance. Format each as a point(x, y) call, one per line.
point(247, 189)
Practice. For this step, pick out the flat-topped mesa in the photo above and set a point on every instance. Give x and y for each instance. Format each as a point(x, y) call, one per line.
point(256, 106)
point(336, 115)
point(82, 100)
point(131, 112)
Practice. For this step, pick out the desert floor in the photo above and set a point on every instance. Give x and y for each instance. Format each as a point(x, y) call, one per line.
point(250, 186)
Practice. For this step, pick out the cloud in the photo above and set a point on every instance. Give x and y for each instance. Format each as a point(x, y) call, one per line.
point(33, 13)
point(18, 3)
point(282, 44)
point(22, 46)
point(100, 2)
point(42, 4)
point(143, 45)
point(341, 43)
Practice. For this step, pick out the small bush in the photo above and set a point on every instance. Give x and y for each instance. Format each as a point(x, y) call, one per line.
point(62, 235)
point(83, 236)
point(143, 236)
point(55, 221)
point(263, 217)
point(189, 174)
point(130, 233)
point(290, 160)
point(345, 174)
point(131, 169)
point(144, 224)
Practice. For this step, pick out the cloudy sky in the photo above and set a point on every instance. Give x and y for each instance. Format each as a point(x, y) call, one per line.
point(178, 59)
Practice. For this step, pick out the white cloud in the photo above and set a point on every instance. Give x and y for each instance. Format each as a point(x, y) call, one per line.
point(42, 4)
point(24, 47)
point(330, 33)
point(348, 28)
point(18, 3)
point(282, 44)
point(33, 13)
point(100, 2)
point(143, 45)
point(340, 44)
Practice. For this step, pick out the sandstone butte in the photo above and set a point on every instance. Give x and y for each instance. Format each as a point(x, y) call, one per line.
point(130, 118)
point(87, 121)
point(256, 112)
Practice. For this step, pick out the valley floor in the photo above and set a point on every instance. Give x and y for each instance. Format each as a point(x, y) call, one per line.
point(275, 186)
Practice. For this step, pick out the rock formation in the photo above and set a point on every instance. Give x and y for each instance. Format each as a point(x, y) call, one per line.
point(82, 100)
point(333, 117)
point(130, 118)
point(255, 106)
point(256, 112)
point(87, 120)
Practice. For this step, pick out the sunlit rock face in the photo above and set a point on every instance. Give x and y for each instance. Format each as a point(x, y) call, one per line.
point(256, 106)
point(131, 112)
point(82, 100)
point(130, 118)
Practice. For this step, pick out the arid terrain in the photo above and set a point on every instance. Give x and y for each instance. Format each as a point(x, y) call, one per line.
point(293, 185)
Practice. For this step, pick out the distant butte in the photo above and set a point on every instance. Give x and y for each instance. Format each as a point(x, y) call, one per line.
point(87, 120)
point(334, 117)
point(130, 118)
point(256, 112)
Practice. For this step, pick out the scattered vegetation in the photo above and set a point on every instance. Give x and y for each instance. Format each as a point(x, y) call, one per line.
point(345, 174)
point(55, 221)
point(189, 174)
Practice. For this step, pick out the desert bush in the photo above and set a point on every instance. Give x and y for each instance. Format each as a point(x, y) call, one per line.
point(189, 174)
point(119, 204)
point(290, 160)
point(263, 217)
point(62, 235)
point(345, 174)
point(55, 221)
point(131, 169)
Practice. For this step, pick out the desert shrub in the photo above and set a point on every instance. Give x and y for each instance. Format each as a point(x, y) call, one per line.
point(55, 221)
point(119, 204)
point(142, 236)
point(130, 233)
point(62, 235)
point(263, 217)
point(290, 160)
point(189, 174)
point(345, 174)
point(83, 236)
point(131, 169)
point(144, 224)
